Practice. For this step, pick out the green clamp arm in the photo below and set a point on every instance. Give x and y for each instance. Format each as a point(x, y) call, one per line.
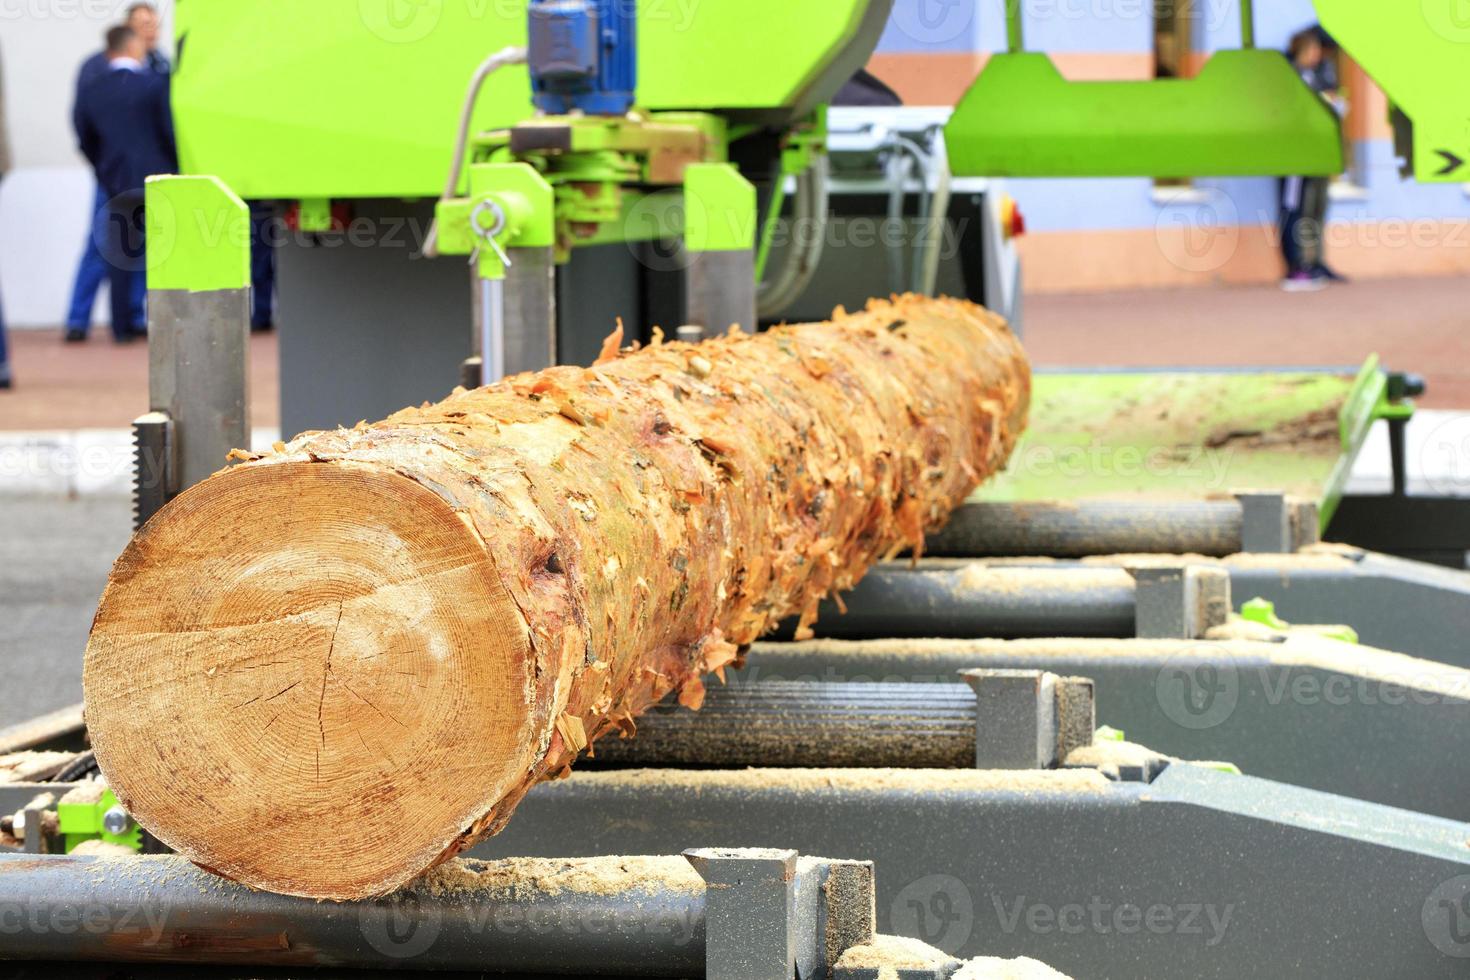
point(509, 205)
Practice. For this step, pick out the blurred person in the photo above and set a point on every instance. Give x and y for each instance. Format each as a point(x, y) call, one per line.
point(91, 270)
point(1303, 200)
point(5, 380)
point(262, 267)
point(125, 130)
point(143, 18)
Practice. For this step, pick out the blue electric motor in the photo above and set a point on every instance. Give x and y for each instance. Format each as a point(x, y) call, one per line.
point(582, 54)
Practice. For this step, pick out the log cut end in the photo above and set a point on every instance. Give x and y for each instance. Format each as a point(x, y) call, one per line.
point(289, 660)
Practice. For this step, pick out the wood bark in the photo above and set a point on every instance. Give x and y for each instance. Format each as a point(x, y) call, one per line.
point(326, 669)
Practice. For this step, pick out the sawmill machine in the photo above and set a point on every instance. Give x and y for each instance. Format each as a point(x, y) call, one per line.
point(1285, 800)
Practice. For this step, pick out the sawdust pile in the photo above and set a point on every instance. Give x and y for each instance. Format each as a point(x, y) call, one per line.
point(528, 877)
point(995, 968)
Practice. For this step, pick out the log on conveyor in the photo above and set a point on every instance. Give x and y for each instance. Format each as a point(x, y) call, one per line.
point(324, 670)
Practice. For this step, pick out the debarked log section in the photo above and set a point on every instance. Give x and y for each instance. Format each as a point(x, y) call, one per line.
point(323, 670)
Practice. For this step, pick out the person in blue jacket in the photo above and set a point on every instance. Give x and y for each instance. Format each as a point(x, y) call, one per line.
point(125, 130)
point(91, 270)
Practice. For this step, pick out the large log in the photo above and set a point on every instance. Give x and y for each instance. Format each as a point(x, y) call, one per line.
point(326, 669)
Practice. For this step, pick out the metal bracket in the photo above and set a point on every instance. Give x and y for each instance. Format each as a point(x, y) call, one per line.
point(1029, 719)
point(1181, 603)
point(770, 915)
point(155, 465)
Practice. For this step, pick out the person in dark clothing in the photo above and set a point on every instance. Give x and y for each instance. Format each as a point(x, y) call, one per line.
point(92, 270)
point(125, 131)
point(1303, 200)
point(5, 379)
point(262, 267)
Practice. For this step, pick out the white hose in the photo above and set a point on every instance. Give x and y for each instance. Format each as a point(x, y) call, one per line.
point(938, 220)
point(488, 67)
point(809, 207)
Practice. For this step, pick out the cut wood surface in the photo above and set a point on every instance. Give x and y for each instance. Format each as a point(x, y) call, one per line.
point(326, 669)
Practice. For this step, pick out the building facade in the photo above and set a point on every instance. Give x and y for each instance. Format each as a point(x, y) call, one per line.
point(1095, 234)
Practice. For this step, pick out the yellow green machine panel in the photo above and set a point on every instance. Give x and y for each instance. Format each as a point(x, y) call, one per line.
point(361, 98)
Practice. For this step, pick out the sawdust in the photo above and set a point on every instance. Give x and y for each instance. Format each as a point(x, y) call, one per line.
point(90, 792)
point(818, 781)
point(995, 968)
point(27, 767)
point(1310, 558)
point(100, 848)
point(1107, 752)
point(1021, 581)
point(524, 877)
point(889, 954)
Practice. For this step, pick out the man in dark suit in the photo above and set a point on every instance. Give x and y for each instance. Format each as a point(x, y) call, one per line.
point(92, 270)
point(125, 131)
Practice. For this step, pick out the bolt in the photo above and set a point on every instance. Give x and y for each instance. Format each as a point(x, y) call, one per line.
point(116, 821)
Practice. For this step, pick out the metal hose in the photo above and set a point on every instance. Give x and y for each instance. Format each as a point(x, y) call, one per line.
point(488, 67)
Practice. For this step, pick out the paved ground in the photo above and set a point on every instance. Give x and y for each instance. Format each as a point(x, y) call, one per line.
point(54, 558)
point(1419, 325)
point(1414, 324)
point(101, 385)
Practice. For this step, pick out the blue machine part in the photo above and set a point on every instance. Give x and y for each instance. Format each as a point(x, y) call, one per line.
point(582, 54)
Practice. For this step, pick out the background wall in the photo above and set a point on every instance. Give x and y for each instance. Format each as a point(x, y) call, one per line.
point(1126, 233)
point(46, 199)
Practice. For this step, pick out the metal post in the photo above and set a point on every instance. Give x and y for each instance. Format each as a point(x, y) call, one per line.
point(719, 239)
point(1247, 25)
point(199, 329)
point(490, 320)
point(529, 310)
point(1015, 39)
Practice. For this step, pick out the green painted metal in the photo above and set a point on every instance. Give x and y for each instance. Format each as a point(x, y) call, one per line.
point(198, 234)
point(1263, 611)
point(523, 196)
point(314, 214)
point(1419, 53)
point(78, 822)
point(1246, 113)
point(798, 148)
point(719, 208)
point(1367, 402)
point(360, 98)
point(1190, 434)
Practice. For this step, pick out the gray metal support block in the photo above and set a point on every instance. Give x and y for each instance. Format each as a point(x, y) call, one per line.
point(721, 290)
point(1273, 523)
point(1180, 602)
point(1015, 718)
point(750, 912)
point(1265, 523)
